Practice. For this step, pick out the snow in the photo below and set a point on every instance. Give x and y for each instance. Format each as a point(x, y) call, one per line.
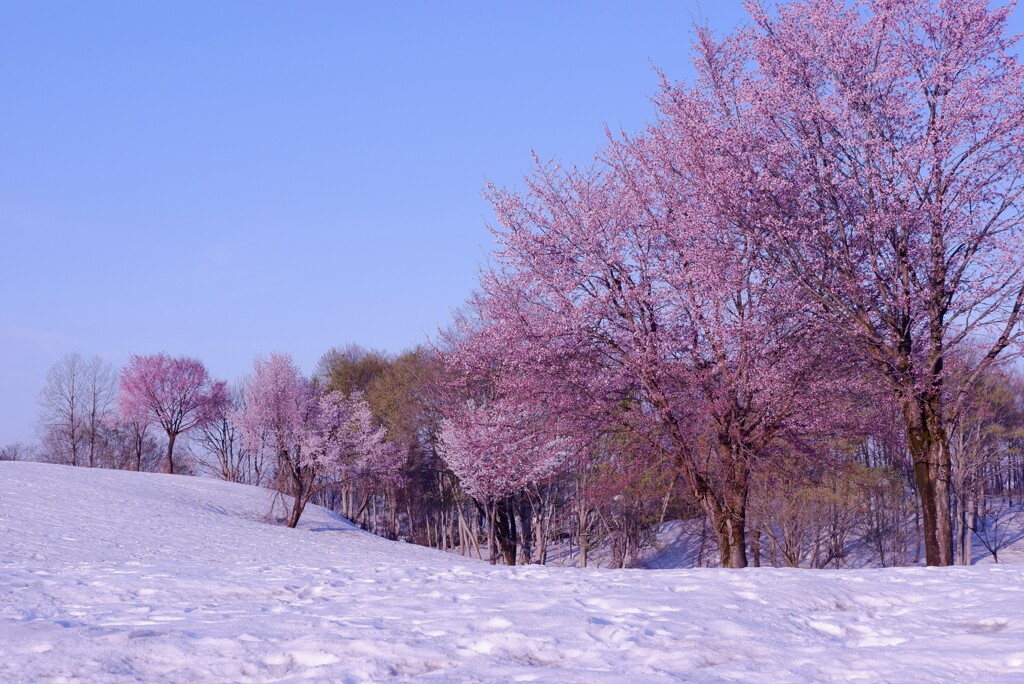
point(110, 576)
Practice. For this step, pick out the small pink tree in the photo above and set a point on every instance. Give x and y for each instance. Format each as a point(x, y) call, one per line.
point(318, 440)
point(497, 451)
point(342, 442)
point(178, 394)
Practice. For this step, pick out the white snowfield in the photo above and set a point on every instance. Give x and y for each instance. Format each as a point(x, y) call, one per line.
point(111, 576)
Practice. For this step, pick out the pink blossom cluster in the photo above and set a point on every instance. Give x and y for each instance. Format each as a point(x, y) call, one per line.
point(320, 437)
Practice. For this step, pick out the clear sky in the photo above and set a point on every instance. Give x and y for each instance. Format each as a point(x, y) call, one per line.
point(227, 179)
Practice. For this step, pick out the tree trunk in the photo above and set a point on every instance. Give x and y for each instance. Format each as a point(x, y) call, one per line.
point(92, 443)
point(453, 528)
point(727, 514)
point(465, 547)
point(293, 517)
point(973, 524)
point(492, 546)
point(964, 525)
point(932, 474)
point(506, 530)
point(475, 535)
point(171, 436)
point(540, 541)
point(730, 533)
point(139, 443)
point(583, 534)
point(74, 439)
point(525, 530)
point(298, 503)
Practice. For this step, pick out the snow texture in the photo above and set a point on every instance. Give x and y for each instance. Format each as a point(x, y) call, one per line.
point(110, 576)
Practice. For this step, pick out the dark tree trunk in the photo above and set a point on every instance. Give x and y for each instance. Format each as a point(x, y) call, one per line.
point(728, 521)
point(296, 513)
point(929, 450)
point(505, 530)
point(171, 436)
point(492, 547)
point(730, 530)
point(526, 529)
point(139, 443)
point(726, 509)
point(298, 502)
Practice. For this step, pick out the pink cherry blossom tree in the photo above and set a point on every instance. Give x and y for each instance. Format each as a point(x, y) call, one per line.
point(497, 451)
point(883, 142)
point(318, 440)
point(622, 299)
point(177, 393)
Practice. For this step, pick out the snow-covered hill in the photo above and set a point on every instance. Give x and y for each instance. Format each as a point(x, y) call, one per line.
point(111, 576)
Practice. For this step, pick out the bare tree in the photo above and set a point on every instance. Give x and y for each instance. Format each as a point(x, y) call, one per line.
point(99, 392)
point(16, 451)
point(996, 524)
point(985, 436)
point(62, 416)
point(226, 457)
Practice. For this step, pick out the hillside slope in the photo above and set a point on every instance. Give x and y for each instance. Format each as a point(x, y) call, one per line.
point(111, 576)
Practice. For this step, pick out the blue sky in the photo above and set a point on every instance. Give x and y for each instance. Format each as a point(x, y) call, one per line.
point(223, 180)
point(229, 179)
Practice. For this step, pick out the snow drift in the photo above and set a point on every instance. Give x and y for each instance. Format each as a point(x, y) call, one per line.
point(109, 576)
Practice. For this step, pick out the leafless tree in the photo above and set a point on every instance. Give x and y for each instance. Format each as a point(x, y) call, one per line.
point(17, 451)
point(225, 456)
point(62, 417)
point(99, 393)
point(74, 403)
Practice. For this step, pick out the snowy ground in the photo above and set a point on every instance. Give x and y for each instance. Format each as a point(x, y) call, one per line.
point(114, 577)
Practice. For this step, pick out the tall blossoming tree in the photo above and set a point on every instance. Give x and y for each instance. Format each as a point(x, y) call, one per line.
point(177, 394)
point(883, 141)
point(622, 300)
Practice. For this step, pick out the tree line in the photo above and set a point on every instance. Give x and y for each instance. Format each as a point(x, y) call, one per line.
point(395, 443)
